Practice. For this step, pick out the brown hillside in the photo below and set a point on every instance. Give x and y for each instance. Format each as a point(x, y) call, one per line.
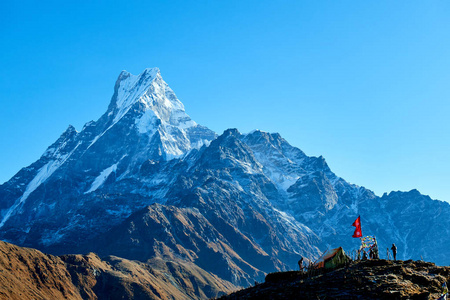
point(170, 232)
point(29, 274)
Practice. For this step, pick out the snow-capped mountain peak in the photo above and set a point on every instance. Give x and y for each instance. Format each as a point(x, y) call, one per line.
point(144, 121)
point(131, 88)
point(147, 105)
point(148, 91)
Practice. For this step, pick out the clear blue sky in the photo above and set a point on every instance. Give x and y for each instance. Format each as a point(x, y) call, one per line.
point(363, 83)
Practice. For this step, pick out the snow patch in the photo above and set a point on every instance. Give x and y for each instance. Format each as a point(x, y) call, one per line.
point(50, 237)
point(100, 180)
point(95, 139)
point(275, 170)
point(131, 89)
point(147, 123)
point(42, 175)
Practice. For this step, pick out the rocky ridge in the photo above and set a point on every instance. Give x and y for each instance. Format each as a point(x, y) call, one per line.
point(371, 279)
point(30, 274)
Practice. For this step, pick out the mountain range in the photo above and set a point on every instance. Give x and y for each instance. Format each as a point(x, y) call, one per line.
point(145, 182)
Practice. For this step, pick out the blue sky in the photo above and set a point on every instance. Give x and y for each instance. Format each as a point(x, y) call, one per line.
point(365, 84)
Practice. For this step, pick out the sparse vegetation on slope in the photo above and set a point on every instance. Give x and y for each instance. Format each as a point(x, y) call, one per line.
point(30, 274)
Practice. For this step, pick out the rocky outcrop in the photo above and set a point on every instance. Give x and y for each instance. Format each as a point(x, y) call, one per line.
point(371, 279)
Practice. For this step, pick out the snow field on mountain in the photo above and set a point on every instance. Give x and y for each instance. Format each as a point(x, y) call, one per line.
point(100, 179)
point(42, 175)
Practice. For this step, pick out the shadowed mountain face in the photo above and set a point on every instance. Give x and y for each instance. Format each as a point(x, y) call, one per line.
point(169, 232)
point(145, 182)
point(30, 274)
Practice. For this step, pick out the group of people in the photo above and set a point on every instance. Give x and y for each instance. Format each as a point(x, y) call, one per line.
point(371, 254)
point(374, 254)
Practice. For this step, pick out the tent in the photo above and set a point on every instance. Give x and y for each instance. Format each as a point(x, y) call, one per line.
point(332, 259)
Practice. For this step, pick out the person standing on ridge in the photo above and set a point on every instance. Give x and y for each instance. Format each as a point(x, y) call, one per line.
point(376, 254)
point(394, 251)
point(300, 264)
point(364, 255)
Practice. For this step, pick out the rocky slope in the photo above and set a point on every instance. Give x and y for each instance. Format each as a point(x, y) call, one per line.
point(146, 182)
point(372, 279)
point(29, 274)
point(168, 232)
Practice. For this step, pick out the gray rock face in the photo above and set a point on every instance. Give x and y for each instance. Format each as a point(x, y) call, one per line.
point(146, 181)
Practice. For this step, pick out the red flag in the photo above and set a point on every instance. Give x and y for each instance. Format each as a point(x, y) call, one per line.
point(357, 224)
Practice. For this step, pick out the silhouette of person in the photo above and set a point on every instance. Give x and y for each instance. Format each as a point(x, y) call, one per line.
point(364, 255)
point(376, 254)
point(300, 264)
point(394, 251)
